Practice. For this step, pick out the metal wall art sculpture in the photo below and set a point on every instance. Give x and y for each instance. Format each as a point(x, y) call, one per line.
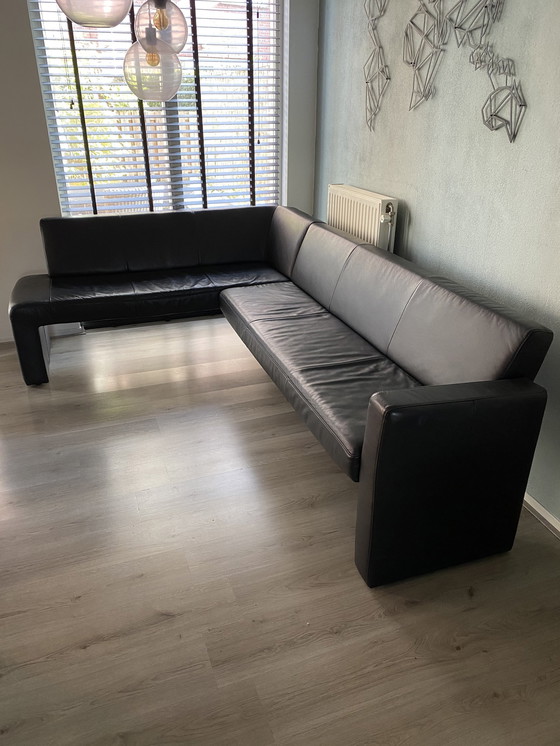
point(472, 22)
point(376, 71)
point(505, 106)
point(425, 37)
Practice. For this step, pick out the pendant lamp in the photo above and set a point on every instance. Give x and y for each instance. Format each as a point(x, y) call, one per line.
point(95, 13)
point(168, 21)
point(152, 70)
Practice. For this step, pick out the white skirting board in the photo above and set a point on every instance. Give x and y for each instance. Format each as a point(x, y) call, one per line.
point(541, 513)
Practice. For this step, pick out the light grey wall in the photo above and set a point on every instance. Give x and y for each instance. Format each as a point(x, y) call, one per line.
point(480, 210)
point(301, 30)
point(27, 183)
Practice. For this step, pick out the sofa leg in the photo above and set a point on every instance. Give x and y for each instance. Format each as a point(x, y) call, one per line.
point(33, 348)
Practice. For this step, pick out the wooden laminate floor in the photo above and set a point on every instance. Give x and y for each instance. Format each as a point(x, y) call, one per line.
point(176, 567)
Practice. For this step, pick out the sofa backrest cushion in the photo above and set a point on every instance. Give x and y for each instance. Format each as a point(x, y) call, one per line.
point(436, 330)
point(163, 240)
point(324, 252)
point(287, 231)
point(238, 234)
point(372, 293)
point(448, 334)
point(117, 243)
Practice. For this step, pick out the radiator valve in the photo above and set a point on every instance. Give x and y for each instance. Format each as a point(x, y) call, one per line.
point(389, 214)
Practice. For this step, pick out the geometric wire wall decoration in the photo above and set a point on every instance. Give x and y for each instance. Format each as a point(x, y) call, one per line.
point(505, 106)
point(424, 39)
point(472, 21)
point(376, 71)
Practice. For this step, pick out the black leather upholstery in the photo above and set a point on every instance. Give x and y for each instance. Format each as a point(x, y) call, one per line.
point(232, 235)
point(325, 370)
point(119, 243)
point(372, 293)
point(396, 372)
point(320, 261)
point(448, 335)
point(443, 475)
point(287, 231)
point(130, 268)
point(152, 241)
point(409, 330)
point(442, 469)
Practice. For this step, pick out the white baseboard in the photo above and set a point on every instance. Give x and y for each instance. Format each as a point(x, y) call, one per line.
point(542, 514)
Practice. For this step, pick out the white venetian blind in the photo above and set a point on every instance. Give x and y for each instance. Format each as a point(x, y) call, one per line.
point(215, 144)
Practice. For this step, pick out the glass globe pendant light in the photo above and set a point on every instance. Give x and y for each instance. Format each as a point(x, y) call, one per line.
point(168, 20)
point(95, 13)
point(152, 70)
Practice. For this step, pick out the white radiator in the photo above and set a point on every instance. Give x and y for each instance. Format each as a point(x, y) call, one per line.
point(369, 216)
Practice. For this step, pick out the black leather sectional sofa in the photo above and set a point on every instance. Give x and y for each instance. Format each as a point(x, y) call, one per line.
point(418, 388)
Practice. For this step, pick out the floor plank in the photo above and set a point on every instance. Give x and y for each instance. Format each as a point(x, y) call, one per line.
point(176, 567)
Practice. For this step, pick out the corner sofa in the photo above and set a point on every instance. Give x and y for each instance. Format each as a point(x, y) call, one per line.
point(419, 389)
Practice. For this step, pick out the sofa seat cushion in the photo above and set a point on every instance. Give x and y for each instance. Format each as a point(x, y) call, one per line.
point(280, 301)
point(306, 342)
point(326, 371)
point(162, 282)
point(333, 402)
point(241, 273)
point(138, 295)
point(68, 289)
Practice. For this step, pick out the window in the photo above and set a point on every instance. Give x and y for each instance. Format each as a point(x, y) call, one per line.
point(215, 144)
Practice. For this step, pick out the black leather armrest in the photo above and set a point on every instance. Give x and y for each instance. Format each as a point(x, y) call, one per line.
point(28, 291)
point(444, 472)
point(29, 310)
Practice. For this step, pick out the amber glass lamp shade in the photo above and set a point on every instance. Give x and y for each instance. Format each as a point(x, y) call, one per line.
point(152, 72)
point(168, 21)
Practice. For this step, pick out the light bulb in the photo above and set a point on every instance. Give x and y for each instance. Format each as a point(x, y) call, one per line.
point(95, 13)
point(150, 44)
point(153, 59)
point(161, 19)
point(167, 20)
point(152, 80)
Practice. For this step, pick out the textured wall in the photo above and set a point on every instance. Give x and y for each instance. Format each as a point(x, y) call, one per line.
point(478, 209)
point(301, 25)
